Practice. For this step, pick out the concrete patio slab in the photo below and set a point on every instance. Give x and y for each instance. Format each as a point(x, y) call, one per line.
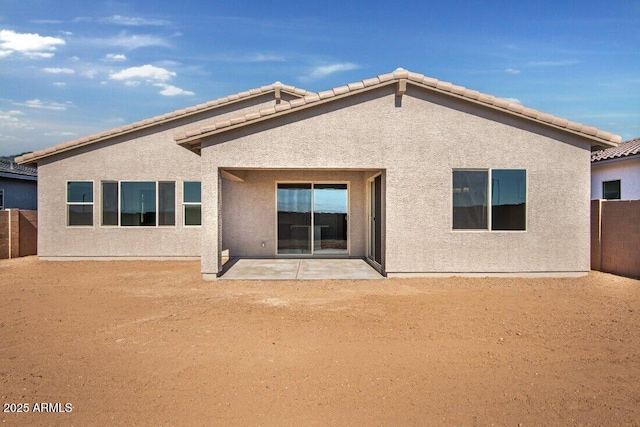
point(300, 269)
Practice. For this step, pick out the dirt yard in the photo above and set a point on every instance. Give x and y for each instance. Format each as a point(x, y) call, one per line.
point(149, 343)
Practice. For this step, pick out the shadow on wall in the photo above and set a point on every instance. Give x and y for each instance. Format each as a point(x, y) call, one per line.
point(615, 237)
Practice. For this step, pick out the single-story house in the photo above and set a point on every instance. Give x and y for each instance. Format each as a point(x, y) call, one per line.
point(18, 186)
point(415, 175)
point(615, 172)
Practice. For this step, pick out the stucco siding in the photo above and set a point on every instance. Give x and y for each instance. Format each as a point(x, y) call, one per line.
point(418, 141)
point(249, 210)
point(147, 155)
point(19, 194)
point(627, 170)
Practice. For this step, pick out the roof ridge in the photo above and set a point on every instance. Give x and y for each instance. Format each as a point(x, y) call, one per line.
point(163, 118)
point(418, 79)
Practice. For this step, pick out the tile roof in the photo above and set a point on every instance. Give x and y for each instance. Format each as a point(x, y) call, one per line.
point(163, 118)
point(9, 167)
point(193, 136)
point(625, 149)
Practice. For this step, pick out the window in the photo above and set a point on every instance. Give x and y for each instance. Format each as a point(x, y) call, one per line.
point(508, 199)
point(192, 203)
point(109, 203)
point(471, 190)
point(1, 199)
point(611, 190)
point(80, 203)
point(141, 203)
point(469, 200)
point(166, 203)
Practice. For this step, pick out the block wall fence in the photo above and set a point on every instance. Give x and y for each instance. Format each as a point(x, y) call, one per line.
point(615, 237)
point(18, 233)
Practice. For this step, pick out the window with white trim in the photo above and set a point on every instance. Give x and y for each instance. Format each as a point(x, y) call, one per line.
point(507, 189)
point(80, 203)
point(192, 203)
point(138, 203)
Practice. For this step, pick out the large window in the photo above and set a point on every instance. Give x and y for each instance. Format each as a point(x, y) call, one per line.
point(80, 203)
point(138, 203)
point(611, 190)
point(192, 203)
point(508, 191)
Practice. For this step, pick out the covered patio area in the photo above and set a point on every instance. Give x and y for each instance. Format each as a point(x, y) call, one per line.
point(299, 269)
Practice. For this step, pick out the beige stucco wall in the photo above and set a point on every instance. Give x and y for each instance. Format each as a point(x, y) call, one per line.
point(418, 140)
point(249, 209)
point(147, 155)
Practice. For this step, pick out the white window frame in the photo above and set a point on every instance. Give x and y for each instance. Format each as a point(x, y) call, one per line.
point(489, 201)
point(185, 204)
point(119, 213)
point(92, 203)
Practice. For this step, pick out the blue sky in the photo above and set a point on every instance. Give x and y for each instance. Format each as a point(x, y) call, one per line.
point(69, 68)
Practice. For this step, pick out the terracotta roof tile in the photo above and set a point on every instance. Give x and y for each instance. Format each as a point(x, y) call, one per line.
point(441, 86)
point(624, 149)
point(400, 73)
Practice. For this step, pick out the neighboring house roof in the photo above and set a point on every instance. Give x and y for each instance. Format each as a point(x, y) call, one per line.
point(625, 149)
point(9, 169)
point(192, 137)
point(276, 88)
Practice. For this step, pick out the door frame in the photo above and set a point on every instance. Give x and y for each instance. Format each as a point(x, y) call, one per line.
point(312, 254)
point(371, 259)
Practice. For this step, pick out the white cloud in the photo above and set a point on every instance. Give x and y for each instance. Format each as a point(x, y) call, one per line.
point(326, 70)
point(169, 90)
point(150, 74)
point(43, 105)
point(512, 71)
point(59, 84)
point(127, 41)
point(560, 63)
point(115, 57)
point(10, 120)
point(89, 73)
point(146, 72)
point(132, 21)
point(10, 116)
point(59, 70)
point(8, 138)
point(514, 100)
point(59, 133)
point(30, 45)
point(45, 21)
point(265, 57)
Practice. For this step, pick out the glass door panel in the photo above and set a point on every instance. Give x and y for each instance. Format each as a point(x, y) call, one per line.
point(330, 218)
point(294, 218)
point(375, 219)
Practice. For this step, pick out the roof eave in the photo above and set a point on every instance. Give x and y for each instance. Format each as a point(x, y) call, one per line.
point(193, 142)
point(33, 158)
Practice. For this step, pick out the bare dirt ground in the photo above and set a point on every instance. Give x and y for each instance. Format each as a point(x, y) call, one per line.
point(150, 343)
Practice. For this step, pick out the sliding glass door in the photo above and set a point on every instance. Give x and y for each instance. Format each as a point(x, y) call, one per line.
point(312, 219)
